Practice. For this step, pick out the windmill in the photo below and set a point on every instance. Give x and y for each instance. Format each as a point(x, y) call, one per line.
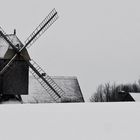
point(20, 54)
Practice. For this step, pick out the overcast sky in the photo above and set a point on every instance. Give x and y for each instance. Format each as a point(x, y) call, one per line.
point(97, 41)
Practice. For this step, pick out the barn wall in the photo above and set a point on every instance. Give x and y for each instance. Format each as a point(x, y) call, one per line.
point(15, 80)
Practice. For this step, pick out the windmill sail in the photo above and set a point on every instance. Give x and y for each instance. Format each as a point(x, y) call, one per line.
point(43, 26)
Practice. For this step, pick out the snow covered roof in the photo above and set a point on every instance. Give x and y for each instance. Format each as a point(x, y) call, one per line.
point(135, 96)
point(37, 94)
point(6, 51)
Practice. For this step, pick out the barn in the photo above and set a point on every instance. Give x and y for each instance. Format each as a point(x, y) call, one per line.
point(69, 84)
point(129, 96)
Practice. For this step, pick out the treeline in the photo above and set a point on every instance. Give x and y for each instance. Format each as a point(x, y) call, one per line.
point(111, 93)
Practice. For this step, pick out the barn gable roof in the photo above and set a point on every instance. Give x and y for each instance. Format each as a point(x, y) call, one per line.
point(69, 84)
point(135, 96)
point(6, 51)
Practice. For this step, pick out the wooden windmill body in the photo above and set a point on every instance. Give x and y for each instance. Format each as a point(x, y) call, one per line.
point(15, 63)
point(15, 81)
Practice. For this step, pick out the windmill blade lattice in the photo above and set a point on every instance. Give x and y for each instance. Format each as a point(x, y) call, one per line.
point(47, 82)
point(43, 26)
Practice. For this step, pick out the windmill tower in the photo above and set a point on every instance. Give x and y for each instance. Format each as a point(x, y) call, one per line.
point(15, 62)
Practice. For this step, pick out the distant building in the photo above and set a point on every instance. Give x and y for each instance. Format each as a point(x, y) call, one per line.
point(129, 96)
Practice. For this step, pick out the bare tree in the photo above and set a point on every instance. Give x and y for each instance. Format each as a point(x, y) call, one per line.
point(110, 93)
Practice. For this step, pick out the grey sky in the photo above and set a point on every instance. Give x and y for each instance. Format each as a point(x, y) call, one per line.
point(97, 41)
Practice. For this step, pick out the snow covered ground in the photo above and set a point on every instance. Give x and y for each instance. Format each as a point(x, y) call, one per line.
point(88, 121)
